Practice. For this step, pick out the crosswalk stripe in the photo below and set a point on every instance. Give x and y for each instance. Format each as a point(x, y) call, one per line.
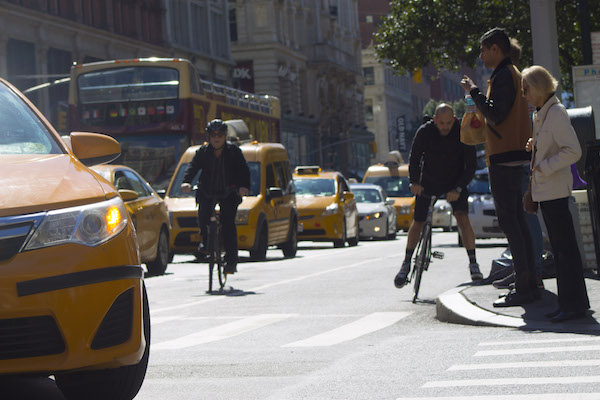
point(367, 324)
point(221, 332)
point(545, 396)
point(553, 380)
point(535, 350)
point(527, 364)
point(561, 340)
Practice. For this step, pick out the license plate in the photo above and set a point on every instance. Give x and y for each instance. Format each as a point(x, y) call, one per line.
point(195, 237)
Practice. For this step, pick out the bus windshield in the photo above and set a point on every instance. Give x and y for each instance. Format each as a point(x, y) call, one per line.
point(128, 84)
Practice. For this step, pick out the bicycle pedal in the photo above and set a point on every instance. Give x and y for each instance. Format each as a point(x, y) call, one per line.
point(437, 254)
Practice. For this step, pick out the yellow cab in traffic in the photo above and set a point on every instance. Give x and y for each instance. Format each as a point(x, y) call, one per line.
point(326, 206)
point(73, 300)
point(392, 176)
point(267, 216)
point(148, 212)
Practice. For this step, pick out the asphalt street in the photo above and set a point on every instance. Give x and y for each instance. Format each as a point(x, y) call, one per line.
point(329, 324)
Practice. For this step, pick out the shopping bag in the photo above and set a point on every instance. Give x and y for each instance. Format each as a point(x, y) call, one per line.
point(472, 128)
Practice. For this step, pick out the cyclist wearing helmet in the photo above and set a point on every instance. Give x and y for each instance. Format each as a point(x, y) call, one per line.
point(224, 178)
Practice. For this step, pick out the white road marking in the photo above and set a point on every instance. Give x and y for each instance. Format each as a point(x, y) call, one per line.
point(367, 324)
point(535, 350)
point(552, 380)
point(545, 396)
point(268, 285)
point(527, 364)
point(160, 320)
point(562, 340)
point(221, 332)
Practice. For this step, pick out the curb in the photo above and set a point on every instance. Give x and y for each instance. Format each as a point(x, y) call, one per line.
point(453, 307)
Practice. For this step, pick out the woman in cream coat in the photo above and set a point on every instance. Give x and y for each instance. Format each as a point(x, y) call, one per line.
point(555, 147)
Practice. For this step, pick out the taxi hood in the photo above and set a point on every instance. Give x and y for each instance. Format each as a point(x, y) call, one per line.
point(34, 183)
point(313, 202)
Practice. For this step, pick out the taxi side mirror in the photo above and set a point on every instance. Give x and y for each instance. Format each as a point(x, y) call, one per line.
point(94, 148)
point(274, 193)
point(389, 202)
point(128, 195)
point(347, 196)
point(162, 193)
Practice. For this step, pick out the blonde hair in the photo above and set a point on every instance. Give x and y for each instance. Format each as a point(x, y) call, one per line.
point(540, 81)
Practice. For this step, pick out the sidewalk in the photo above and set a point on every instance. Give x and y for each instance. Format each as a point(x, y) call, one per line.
point(471, 304)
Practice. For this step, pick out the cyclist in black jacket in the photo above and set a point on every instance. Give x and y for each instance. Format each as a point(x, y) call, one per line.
point(448, 167)
point(224, 179)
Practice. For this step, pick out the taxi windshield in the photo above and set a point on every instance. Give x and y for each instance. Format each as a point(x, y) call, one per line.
point(178, 180)
point(21, 132)
point(314, 187)
point(394, 186)
point(367, 195)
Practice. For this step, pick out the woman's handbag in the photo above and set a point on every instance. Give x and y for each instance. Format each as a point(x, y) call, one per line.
point(529, 205)
point(472, 128)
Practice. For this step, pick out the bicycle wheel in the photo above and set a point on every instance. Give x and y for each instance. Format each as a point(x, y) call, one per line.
point(220, 264)
point(422, 259)
point(212, 259)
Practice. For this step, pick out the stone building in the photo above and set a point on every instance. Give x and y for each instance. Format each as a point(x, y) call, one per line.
point(307, 53)
point(41, 39)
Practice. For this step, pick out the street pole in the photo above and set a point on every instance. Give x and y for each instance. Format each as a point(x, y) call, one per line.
point(545, 37)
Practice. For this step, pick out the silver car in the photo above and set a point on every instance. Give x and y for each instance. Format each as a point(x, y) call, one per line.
point(442, 216)
point(377, 215)
point(482, 210)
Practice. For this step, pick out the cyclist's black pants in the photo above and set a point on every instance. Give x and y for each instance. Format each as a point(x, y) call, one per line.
point(228, 208)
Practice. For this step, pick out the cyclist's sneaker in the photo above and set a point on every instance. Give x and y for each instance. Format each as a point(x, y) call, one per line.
point(201, 252)
point(475, 272)
point(230, 267)
point(400, 279)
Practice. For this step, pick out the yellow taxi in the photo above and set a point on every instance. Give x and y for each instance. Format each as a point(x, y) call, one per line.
point(393, 178)
point(148, 212)
point(71, 286)
point(266, 217)
point(326, 206)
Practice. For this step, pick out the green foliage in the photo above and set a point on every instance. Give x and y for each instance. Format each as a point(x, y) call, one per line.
point(445, 33)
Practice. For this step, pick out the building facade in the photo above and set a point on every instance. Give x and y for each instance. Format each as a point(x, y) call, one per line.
point(41, 39)
point(388, 96)
point(307, 53)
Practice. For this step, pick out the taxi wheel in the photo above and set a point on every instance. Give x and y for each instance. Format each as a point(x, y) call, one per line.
point(116, 384)
point(341, 242)
point(259, 253)
point(290, 247)
point(159, 265)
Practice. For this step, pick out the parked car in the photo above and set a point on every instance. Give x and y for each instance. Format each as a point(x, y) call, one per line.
point(326, 207)
point(442, 216)
point(148, 212)
point(266, 217)
point(73, 300)
point(482, 210)
point(377, 215)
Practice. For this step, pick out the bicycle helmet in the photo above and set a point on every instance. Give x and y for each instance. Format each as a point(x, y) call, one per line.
point(216, 125)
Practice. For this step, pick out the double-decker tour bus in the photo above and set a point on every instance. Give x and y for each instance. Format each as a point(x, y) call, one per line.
point(157, 107)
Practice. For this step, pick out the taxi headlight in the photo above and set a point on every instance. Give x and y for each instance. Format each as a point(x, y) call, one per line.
point(241, 218)
point(330, 210)
point(404, 209)
point(89, 225)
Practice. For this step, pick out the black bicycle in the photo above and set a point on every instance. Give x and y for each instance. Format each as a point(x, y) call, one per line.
point(216, 255)
point(423, 252)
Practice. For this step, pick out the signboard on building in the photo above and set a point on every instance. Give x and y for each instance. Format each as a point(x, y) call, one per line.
point(243, 76)
point(401, 133)
point(595, 48)
point(586, 86)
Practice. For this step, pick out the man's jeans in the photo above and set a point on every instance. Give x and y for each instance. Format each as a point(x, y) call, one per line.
point(505, 183)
